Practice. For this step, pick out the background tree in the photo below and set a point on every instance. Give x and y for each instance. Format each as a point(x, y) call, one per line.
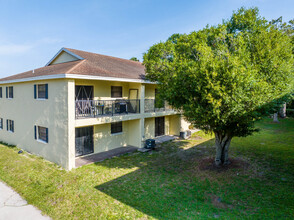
point(135, 59)
point(287, 28)
point(224, 77)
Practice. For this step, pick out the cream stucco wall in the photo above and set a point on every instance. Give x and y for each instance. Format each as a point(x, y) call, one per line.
point(150, 91)
point(175, 124)
point(27, 112)
point(102, 89)
point(149, 128)
point(63, 58)
point(184, 124)
point(105, 141)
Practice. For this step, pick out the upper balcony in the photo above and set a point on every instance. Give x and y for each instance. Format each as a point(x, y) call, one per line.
point(109, 108)
point(153, 105)
point(106, 108)
point(107, 99)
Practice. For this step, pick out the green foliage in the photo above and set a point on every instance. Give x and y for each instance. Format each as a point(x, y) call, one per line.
point(224, 77)
point(135, 59)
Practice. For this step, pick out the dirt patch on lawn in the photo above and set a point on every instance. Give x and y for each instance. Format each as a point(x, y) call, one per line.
point(236, 163)
point(218, 203)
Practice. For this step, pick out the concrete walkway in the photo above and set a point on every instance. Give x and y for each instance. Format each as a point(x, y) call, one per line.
point(13, 207)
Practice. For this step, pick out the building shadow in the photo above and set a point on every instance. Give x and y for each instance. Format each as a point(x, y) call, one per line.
point(161, 186)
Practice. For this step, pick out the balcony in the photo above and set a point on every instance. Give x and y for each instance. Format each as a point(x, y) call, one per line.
point(106, 108)
point(152, 105)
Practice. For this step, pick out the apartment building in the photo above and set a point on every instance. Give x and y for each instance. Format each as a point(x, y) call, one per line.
point(80, 104)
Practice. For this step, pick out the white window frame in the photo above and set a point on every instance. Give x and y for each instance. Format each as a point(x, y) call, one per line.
point(37, 136)
point(8, 92)
point(9, 125)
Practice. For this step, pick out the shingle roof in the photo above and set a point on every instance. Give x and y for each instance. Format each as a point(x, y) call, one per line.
point(93, 64)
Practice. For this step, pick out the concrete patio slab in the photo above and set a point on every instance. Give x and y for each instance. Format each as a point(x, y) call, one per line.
point(165, 138)
point(13, 207)
point(104, 155)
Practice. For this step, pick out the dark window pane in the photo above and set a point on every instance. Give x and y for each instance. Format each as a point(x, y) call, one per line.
point(10, 92)
point(42, 133)
point(0, 92)
point(10, 125)
point(1, 123)
point(116, 92)
point(116, 127)
point(42, 91)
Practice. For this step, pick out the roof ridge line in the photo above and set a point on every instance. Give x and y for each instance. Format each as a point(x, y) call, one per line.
point(75, 66)
point(119, 58)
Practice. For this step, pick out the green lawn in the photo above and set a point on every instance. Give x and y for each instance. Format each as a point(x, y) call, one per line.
point(167, 183)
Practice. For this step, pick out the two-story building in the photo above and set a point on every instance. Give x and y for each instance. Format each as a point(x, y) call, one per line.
point(80, 104)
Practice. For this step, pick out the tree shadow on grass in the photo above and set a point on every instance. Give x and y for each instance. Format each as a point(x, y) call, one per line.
point(166, 185)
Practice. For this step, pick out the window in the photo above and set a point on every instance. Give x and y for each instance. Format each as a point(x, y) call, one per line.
point(116, 127)
point(10, 125)
point(1, 123)
point(41, 91)
point(116, 92)
point(9, 92)
point(41, 134)
point(0, 92)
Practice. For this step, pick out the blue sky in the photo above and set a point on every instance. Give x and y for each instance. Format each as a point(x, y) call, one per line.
point(32, 31)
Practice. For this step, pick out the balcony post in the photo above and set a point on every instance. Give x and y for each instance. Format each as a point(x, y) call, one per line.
point(142, 98)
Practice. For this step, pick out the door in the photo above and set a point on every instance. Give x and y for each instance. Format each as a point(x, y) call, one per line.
point(84, 97)
point(84, 141)
point(159, 126)
point(84, 92)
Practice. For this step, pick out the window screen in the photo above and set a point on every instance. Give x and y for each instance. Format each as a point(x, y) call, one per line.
point(116, 127)
point(116, 92)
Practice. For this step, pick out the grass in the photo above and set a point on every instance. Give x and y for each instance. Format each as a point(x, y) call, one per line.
point(167, 183)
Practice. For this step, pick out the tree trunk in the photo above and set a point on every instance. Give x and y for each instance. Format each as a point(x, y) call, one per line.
point(222, 144)
point(276, 118)
point(282, 111)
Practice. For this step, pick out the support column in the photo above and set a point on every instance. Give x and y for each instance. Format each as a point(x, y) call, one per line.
point(142, 120)
point(142, 131)
point(71, 124)
point(142, 99)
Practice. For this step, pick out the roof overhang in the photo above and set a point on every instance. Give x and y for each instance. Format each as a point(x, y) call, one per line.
point(66, 51)
point(75, 76)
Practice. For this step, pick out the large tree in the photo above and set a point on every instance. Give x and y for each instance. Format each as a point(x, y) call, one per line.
point(223, 78)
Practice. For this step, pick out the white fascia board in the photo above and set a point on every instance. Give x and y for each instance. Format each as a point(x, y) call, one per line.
point(35, 78)
point(75, 76)
point(67, 51)
point(90, 77)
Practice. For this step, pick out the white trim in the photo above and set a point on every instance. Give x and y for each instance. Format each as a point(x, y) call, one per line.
point(75, 76)
point(64, 50)
point(106, 78)
point(119, 133)
point(41, 141)
point(35, 78)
